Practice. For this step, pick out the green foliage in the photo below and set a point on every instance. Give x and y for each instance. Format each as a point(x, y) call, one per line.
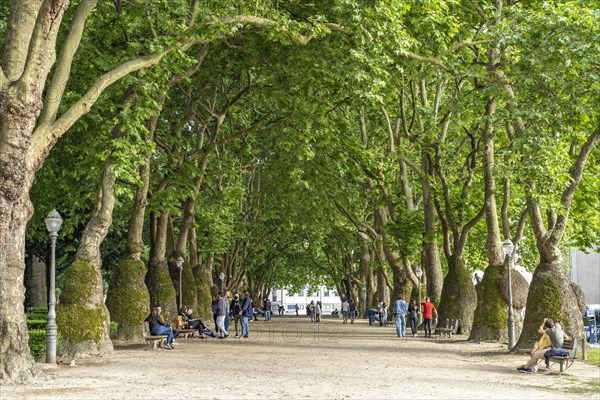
point(37, 343)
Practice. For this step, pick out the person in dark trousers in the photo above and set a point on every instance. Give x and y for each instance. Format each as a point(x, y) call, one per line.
point(297, 307)
point(352, 307)
point(428, 311)
point(213, 308)
point(413, 311)
point(192, 323)
point(267, 309)
point(235, 307)
point(246, 313)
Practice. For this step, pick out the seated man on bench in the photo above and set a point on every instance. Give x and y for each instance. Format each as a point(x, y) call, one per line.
point(192, 323)
point(552, 338)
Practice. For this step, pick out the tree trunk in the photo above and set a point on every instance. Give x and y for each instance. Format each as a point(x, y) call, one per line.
point(491, 315)
point(430, 257)
point(203, 299)
point(127, 298)
point(366, 262)
point(17, 363)
point(551, 295)
point(459, 297)
point(158, 280)
point(81, 316)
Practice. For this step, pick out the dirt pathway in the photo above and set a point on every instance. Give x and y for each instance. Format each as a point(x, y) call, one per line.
point(292, 358)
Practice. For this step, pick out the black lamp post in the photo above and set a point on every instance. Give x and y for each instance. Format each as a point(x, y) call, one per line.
point(508, 248)
point(53, 223)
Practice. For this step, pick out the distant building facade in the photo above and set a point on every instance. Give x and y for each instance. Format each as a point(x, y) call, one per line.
point(329, 298)
point(585, 272)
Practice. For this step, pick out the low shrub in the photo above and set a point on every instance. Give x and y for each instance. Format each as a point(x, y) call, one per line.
point(36, 324)
point(113, 329)
point(37, 343)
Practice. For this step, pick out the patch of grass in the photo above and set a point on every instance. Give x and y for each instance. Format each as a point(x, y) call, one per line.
point(588, 387)
point(593, 357)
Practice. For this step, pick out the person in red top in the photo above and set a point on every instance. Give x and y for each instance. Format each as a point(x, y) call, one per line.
point(428, 311)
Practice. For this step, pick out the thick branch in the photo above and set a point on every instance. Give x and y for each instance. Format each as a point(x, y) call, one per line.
point(65, 60)
point(42, 53)
point(21, 23)
point(45, 136)
point(576, 175)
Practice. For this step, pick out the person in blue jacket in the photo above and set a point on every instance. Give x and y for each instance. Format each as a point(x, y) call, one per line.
point(246, 313)
point(400, 308)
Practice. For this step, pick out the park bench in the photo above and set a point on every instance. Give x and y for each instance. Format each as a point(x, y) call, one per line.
point(570, 344)
point(186, 333)
point(450, 328)
point(155, 341)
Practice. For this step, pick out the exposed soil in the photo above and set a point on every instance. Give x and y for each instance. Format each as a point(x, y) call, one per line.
point(291, 358)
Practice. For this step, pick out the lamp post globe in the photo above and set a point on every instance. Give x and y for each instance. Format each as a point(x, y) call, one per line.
point(419, 273)
point(222, 278)
point(179, 263)
point(507, 248)
point(53, 223)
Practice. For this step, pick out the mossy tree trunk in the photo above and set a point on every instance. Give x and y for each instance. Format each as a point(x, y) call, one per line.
point(82, 317)
point(158, 280)
point(459, 297)
point(551, 294)
point(201, 276)
point(127, 298)
point(491, 314)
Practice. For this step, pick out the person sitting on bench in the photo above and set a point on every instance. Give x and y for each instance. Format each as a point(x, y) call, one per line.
point(192, 323)
point(552, 337)
point(158, 326)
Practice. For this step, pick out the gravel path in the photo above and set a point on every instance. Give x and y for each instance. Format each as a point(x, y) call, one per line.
point(291, 358)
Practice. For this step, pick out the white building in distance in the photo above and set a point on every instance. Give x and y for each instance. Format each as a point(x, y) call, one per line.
point(329, 298)
point(585, 272)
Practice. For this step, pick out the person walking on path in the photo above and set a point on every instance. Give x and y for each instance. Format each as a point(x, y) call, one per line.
point(383, 314)
point(428, 311)
point(345, 311)
point(318, 312)
point(352, 308)
point(297, 307)
point(400, 308)
point(311, 310)
point(235, 307)
point(246, 313)
point(267, 309)
point(228, 312)
point(413, 310)
point(552, 337)
point(222, 307)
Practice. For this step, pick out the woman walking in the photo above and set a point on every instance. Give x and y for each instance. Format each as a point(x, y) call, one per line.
point(413, 310)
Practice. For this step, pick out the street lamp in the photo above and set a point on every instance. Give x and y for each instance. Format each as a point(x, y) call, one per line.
point(222, 278)
point(508, 248)
point(419, 273)
point(179, 263)
point(53, 223)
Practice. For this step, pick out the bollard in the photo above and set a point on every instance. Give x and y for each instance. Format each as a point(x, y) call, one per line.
point(584, 348)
